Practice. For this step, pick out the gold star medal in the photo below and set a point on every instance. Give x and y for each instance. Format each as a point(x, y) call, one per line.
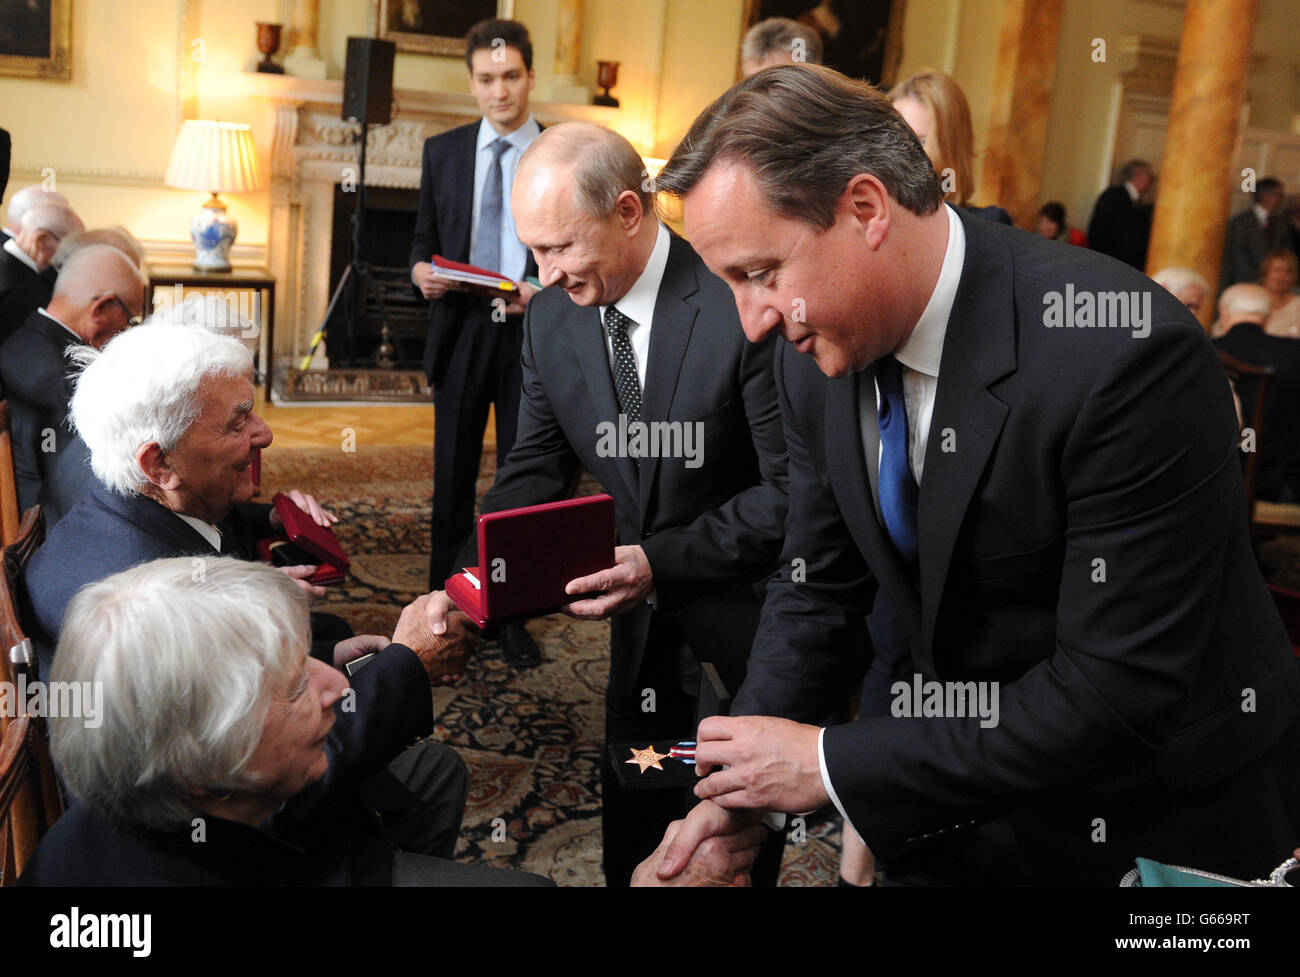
point(647, 758)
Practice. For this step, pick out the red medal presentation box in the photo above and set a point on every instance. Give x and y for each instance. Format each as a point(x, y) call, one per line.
point(526, 556)
point(305, 543)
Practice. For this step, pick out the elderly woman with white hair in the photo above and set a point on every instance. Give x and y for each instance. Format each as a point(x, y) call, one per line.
point(220, 755)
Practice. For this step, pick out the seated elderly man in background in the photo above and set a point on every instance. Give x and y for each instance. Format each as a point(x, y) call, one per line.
point(21, 202)
point(261, 765)
point(117, 237)
point(99, 294)
point(167, 416)
point(1186, 285)
point(1243, 310)
point(26, 275)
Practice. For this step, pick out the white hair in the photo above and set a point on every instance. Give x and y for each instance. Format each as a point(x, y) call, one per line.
point(210, 311)
point(1246, 299)
point(143, 387)
point(189, 652)
point(1174, 280)
point(23, 199)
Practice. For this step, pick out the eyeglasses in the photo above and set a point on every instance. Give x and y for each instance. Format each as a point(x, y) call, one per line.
point(131, 319)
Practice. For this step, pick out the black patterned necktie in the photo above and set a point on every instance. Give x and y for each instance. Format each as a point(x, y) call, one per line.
point(487, 245)
point(626, 380)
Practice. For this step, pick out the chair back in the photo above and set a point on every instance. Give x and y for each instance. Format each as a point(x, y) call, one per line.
point(1238, 370)
point(9, 515)
point(29, 792)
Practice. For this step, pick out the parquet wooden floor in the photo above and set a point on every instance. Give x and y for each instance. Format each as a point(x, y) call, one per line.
point(379, 426)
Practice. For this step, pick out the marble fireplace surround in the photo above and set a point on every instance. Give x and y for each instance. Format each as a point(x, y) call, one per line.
point(312, 151)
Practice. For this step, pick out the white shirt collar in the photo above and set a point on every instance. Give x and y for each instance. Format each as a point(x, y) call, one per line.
point(12, 247)
point(61, 323)
point(1132, 192)
point(520, 138)
point(204, 529)
point(639, 302)
point(924, 347)
point(1261, 215)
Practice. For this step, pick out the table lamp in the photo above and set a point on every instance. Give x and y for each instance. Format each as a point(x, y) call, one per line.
point(218, 157)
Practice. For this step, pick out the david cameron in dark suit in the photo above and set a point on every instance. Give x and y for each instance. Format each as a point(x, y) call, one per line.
point(1051, 500)
point(633, 326)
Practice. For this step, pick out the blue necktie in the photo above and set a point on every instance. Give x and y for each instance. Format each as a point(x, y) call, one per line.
point(898, 488)
point(487, 245)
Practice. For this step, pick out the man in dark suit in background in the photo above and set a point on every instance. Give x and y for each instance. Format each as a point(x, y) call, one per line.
point(1055, 509)
point(1253, 233)
point(6, 149)
point(1243, 309)
point(99, 293)
point(471, 356)
point(699, 528)
point(1121, 222)
point(26, 275)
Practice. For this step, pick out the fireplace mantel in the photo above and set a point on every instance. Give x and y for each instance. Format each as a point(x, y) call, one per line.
point(312, 151)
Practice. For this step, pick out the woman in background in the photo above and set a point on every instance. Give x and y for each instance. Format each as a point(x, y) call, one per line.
point(932, 103)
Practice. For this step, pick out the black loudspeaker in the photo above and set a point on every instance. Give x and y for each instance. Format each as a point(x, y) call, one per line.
point(368, 81)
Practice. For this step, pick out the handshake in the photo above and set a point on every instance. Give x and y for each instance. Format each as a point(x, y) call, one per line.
point(441, 637)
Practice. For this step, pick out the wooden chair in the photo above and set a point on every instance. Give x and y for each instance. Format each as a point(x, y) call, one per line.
point(29, 792)
point(9, 515)
point(1266, 518)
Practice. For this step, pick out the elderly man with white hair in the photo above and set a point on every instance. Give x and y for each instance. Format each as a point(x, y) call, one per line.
point(262, 763)
point(22, 201)
point(100, 294)
point(26, 276)
point(1186, 285)
point(1243, 310)
point(167, 415)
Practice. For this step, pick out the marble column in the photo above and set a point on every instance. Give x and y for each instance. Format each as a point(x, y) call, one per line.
point(567, 86)
point(303, 59)
point(1012, 173)
point(1197, 175)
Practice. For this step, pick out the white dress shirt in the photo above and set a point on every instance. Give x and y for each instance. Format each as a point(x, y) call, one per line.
point(12, 247)
point(205, 529)
point(919, 355)
point(639, 306)
point(514, 256)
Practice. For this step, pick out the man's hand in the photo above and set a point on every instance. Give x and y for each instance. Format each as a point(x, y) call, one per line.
point(358, 646)
point(526, 293)
point(772, 764)
point(299, 575)
point(713, 846)
point(308, 504)
point(621, 587)
point(429, 284)
point(442, 640)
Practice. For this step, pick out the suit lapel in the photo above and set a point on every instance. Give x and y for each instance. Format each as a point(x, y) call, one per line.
point(588, 339)
point(464, 202)
point(978, 349)
point(670, 333)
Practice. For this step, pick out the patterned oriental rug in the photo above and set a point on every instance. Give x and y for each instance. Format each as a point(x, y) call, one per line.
point(531, 738)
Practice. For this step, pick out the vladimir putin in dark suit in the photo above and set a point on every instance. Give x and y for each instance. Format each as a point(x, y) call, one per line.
point(699, 526)
point(1052, 501)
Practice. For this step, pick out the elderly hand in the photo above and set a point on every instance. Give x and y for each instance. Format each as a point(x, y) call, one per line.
point(443, 641)
point(308, 504)
point(350, 649)
point(299, 575)
point(623, 586)
point(712, 846)
point(771, 764)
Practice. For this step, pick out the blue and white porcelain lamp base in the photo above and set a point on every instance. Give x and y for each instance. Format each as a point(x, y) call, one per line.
point(213, 232)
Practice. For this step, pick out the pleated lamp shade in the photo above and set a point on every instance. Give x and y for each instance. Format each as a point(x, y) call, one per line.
point(214, 156)
point(218, 157)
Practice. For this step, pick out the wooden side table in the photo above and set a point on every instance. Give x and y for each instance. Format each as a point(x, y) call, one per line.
point(181, 279)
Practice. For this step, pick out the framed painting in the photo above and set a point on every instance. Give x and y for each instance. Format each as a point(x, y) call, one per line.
point(35, 39)
point(434, 26)
point(861, 38)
